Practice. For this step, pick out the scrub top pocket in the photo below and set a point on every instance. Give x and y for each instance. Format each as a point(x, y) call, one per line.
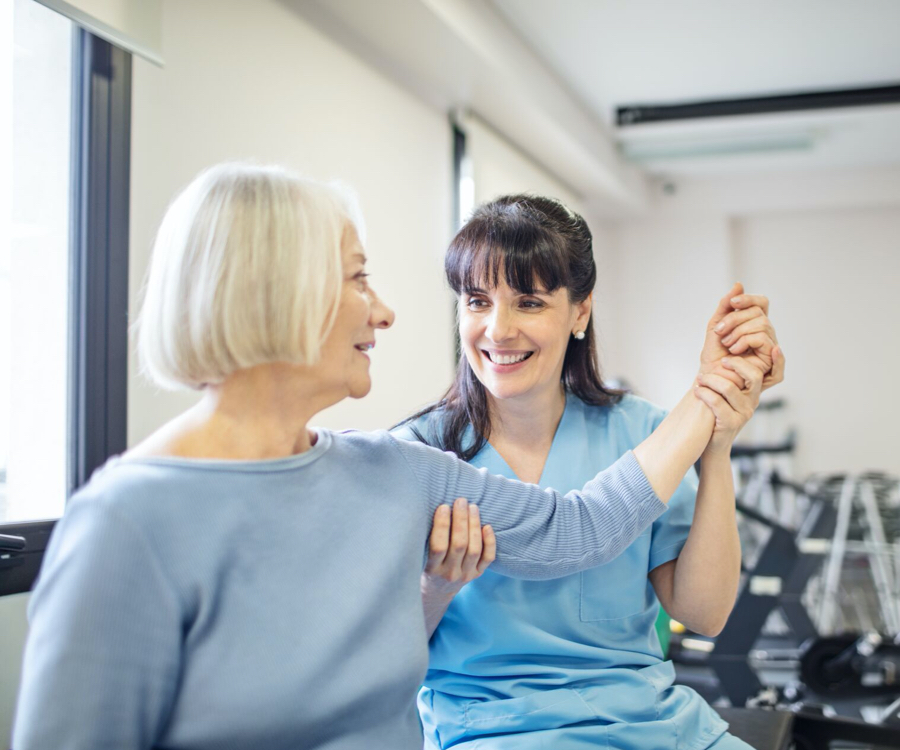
point(618, 589)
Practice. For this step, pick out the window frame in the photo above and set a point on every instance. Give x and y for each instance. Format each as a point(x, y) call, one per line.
point(98, 287)
point(459, 156)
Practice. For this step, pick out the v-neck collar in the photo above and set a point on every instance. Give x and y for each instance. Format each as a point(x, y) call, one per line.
point(490, 455)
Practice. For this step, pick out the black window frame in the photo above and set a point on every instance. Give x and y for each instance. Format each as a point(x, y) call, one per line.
point(459, 156)
point(98, 287)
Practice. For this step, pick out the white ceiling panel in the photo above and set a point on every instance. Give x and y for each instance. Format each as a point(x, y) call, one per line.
point(613, 52)
point(610, 53)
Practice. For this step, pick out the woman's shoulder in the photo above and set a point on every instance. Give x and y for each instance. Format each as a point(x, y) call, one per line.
point(632, 413)
point(132, 489)
point(121, 498)
point(423, 428)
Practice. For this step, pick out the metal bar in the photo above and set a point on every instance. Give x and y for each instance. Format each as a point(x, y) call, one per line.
point(836, 559)
point(882, 574)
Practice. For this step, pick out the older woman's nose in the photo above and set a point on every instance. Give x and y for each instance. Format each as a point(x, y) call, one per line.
point(380, 315)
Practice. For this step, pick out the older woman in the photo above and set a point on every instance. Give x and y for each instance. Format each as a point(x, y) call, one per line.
point(575, 662)
point(242, 580)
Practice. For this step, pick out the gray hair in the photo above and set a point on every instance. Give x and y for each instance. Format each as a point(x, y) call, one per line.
point(246, 270)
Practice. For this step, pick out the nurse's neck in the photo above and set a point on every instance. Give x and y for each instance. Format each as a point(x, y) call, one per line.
point(523, 428)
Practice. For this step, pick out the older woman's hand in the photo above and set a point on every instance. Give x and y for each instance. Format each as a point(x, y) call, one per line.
point(741, 327)
point(732, 405)
point(460, 549)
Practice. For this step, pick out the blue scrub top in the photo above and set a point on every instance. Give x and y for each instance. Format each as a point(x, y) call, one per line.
point(573, 662)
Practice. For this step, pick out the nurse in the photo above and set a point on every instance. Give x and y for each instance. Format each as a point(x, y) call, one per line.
point(574, 662)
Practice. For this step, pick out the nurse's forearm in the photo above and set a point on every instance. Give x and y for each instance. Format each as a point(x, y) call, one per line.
point(708, 569)
point(434, 602)
point(675, 445)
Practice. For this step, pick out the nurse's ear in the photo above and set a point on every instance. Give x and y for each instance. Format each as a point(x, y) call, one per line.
point(582, 314)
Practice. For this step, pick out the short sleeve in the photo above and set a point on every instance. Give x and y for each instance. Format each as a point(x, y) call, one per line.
point(670, 531)
point(102, 659)
point(424, 429)
point(405, 432)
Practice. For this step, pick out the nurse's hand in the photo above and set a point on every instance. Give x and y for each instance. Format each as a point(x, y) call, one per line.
point(732, 405)
point(459, 550)
point(741, 327)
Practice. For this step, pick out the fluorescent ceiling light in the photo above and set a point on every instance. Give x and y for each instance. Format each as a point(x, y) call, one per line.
point(697, 148)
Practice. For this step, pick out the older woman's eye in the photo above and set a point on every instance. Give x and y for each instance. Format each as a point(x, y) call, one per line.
point(361, 279)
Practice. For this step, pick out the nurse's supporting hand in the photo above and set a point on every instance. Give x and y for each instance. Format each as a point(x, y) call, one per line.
point(732, 405)
point(459, 548)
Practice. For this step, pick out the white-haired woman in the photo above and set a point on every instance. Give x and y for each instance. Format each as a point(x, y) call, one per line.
point(241, 580)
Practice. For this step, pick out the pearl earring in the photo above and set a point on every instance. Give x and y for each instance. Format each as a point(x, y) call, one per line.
point(579, 335)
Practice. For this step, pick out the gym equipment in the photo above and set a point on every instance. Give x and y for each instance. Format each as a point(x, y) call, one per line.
point(868, 528)
point(838, 666)
point(816, 622)
point(851, 666)
point(777, 580)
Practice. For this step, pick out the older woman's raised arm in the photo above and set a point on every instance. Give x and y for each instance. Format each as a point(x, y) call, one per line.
point(544, 534)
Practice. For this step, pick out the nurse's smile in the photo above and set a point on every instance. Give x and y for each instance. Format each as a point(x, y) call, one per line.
point(506, 361)
point(514, 341)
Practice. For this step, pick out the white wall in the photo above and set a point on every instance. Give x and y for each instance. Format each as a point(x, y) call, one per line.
point(256, 81)
point(498, 168)
point(668, 275)
point(832, 277)
point(824, 248)
point(13, 627)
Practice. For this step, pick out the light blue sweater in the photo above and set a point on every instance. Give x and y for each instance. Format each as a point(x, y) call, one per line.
point(260, 605)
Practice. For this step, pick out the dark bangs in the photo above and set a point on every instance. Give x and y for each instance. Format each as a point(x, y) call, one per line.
point(506, 241)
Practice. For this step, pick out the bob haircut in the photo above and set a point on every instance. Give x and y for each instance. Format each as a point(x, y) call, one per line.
point(246, 270)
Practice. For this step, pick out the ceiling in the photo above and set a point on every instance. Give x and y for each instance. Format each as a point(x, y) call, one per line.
point(548, 75)
point(610, 53)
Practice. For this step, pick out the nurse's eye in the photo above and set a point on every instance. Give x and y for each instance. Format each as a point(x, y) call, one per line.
point(532, 304)
point(476, 303)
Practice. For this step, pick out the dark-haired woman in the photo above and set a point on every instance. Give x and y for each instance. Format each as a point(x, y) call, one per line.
point(574, 662)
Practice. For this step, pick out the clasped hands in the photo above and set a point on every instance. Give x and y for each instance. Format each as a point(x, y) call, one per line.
point(740, 359)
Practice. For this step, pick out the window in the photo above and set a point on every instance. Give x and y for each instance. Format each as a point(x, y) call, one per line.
point(63, 271)
point(34, 265)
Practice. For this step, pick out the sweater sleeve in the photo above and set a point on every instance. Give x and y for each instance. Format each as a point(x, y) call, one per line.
point(104, 643)
point(542, 533)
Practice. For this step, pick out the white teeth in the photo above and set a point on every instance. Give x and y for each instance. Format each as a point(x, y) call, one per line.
point(364, 347)
point(507, 359)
